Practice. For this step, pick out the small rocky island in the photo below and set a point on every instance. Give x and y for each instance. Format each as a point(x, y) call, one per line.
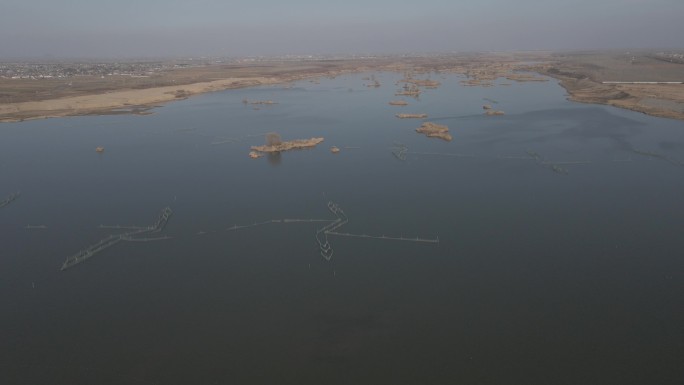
point(427, 83)
point(275, 144)
point(490, 111)
point(433, 130)
point(398, 103)
point(411, 116)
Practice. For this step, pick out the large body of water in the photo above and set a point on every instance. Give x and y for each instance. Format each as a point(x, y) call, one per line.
point(539, 277)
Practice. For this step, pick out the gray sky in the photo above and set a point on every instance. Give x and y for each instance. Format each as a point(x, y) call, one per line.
point(119, 28)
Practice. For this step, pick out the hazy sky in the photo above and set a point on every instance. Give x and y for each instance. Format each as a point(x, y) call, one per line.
point(112, 28)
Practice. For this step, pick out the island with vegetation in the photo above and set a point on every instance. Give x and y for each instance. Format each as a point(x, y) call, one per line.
point(275, 144)
point(433, 130)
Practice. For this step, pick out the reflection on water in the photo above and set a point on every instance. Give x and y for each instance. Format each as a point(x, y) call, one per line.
point(274, 158)
point(536, 275)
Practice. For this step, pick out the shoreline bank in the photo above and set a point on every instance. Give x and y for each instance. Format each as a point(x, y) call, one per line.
point(139, 101)
point(660, 100)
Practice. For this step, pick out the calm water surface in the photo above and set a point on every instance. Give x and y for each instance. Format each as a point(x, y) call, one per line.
point(539, 277)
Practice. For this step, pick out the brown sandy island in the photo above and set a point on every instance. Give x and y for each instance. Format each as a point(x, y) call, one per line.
point(398, 103)
point(427, 83)
point(296, 144)
point(412, 90)
point(433, 130)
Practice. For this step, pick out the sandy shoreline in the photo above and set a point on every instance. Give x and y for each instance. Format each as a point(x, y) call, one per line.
point(662, 100)
point(132, 101)
point(94, 96)
point(618, 80)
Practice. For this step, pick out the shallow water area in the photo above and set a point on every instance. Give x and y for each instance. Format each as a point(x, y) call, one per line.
point(558, 256)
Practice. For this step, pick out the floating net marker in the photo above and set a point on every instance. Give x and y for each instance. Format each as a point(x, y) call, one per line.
point(326, 249)
point(11, 198)
point(329, 229)
point(111, 240)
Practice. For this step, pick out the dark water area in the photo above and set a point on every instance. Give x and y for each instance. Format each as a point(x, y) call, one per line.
point(570, 275)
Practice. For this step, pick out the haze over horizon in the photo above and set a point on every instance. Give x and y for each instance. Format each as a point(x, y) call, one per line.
point(128, 28)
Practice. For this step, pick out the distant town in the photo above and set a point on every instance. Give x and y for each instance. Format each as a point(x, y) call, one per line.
point(670, 56)
point(57, 70)
point(64, 69)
